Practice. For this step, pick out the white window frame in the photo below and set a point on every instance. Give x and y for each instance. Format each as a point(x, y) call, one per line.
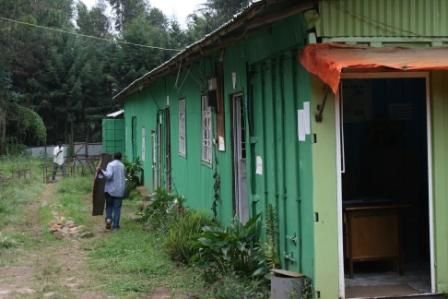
point(206, 128)
point(143, 154)
point(182, 138)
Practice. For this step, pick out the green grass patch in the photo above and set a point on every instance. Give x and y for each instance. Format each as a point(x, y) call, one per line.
point(72, 192)
point(132, 262)
point(18, 192)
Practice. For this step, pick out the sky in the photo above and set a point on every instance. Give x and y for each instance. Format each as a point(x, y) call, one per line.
point(178, 8)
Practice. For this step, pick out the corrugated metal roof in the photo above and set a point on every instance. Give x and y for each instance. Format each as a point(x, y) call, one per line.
point(257, 13)
point(383, 18)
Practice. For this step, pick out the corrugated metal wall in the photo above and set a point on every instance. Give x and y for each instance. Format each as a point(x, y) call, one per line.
point(286, 182)
point(383, 18)
point(113, 135)
point(274, 86)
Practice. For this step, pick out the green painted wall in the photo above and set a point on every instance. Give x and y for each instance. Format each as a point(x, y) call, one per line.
point(397, 22)
point(439, 113)
point(325, 195)
point(279, 87)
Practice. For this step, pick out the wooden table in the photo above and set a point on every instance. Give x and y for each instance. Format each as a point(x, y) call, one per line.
point(372, 233)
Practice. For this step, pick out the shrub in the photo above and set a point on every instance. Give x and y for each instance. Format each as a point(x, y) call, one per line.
point(6, 242)
point(235, 248)
point(234, 287)
point(163, 209)
point(182, 237)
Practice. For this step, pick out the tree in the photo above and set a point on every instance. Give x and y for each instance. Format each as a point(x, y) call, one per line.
point(213, 14)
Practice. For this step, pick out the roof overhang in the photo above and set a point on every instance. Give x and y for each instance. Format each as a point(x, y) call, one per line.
point(258, 14)
point(328, 61)
point(116, 113)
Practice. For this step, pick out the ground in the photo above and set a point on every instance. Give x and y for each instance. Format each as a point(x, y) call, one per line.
point(88, 263)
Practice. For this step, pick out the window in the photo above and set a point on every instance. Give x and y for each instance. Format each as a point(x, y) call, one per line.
point(143, 144)
point(182, 129)
point(206, 131)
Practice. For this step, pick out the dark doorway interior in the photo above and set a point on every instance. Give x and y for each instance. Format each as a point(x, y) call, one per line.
point(385, 187)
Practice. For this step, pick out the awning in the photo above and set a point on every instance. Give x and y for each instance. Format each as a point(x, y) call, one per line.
point(327, 61)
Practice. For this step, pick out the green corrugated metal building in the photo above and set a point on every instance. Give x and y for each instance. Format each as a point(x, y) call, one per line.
point(113, 133)
point(234, 123)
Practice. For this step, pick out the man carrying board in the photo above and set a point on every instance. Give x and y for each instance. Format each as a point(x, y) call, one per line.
point(114, 190)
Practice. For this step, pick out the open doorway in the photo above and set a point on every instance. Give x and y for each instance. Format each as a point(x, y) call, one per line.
point(241, 205)
point(385, 198)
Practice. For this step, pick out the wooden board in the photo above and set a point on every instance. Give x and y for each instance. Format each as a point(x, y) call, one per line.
point(98, 199)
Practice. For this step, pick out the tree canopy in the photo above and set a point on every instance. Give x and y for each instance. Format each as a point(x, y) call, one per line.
point(65, 82)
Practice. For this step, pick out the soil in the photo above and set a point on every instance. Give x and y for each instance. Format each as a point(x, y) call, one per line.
point(55, 270)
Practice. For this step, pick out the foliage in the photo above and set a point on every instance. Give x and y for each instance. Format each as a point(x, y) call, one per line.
point(236, 287)
point(134, 171)
point(68, 80)
point(7, 242)
point(163, 209)
point(233, 249)
point(134, 176)
point(30, 127)
point(182, 237)
point(271, 245)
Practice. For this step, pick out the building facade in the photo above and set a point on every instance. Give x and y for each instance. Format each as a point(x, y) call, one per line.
point(235, 123)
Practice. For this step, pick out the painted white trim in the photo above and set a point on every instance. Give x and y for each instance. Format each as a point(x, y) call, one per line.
point(339, 198)
point(430, 186)
point(381, 75)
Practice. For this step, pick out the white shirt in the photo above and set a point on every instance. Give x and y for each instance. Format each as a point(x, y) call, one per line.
point(58, 155)
point(115, 178)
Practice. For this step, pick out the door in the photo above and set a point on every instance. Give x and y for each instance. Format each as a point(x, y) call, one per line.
point(161, 139)
point(241, 205)
point(384, 161)
point(155, 165)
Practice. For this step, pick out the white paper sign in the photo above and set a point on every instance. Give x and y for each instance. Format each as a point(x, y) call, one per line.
point(259, 166)
point(301, 125)
point(306, 109)
point(221, 144)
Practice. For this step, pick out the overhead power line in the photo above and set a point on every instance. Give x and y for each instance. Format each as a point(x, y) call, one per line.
point(58, 30)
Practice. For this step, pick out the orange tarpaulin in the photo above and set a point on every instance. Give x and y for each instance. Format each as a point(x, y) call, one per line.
point(327, 61)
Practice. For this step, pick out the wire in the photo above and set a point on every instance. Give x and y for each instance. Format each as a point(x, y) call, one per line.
point(86, 36)
point(376, 23)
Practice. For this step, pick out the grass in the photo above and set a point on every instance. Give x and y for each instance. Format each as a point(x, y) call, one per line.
point(131, 262)
point(17, 192)
point(15, 195)
point(71, 195)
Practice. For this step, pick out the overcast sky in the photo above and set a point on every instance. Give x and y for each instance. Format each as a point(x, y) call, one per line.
point(178, 8)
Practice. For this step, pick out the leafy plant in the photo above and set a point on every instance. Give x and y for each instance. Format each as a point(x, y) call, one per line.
point(134, 172)
point(235, 248)
point(182, 236)
point(233, 287)
point(271, 245)
point(162, 210)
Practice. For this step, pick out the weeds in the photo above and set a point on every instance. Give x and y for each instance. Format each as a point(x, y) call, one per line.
point(183, 234)
point(133, 261)
point(7, 242)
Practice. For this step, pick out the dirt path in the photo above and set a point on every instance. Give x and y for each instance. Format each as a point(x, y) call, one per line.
point(48, 268)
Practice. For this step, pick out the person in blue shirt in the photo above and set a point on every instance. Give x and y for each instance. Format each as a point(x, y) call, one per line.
point(114, 190)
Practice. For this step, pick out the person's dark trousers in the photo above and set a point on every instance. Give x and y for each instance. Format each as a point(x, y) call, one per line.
point(113, 209)
point(55, 169)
